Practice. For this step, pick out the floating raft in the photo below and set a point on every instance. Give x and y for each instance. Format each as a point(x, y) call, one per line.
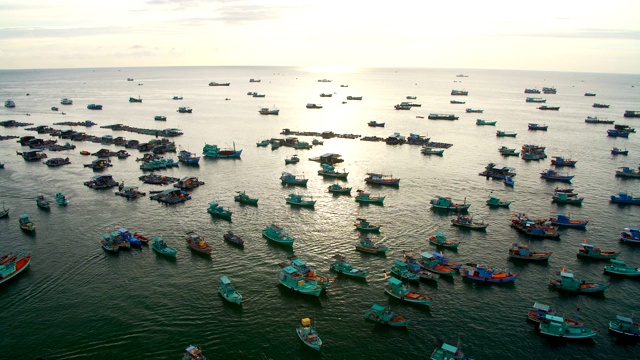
point(121, 127)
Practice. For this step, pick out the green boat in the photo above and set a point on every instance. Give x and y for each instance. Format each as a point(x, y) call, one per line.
point(263, 143)
point(26, 224)
point(430, 151)
point(218, 211)
point(160, 118)
point(505, 151)
point(445, 351)
point(501, 133)
point(245, 199)
point(384, 315)
point(339, 189)
point(445, 203)
point(329, 171)
point(294, 280)
point(589, 251)
point(342, 266)
point(228, 291)
point(366, 245)
point(618, 267)
point(160, 247)
point(625, 326)
point(308, 334)
point(495, 202)
point(563, 198)
point(440, 240)
point(363, 225)
point(363, 197)
point(297, 200)
point(485, 122)
point(294, 159)
point(401, 269)
point(277, 235)
point(399, 290)
point(568, 282)
point(61, 199)
point(557, 327)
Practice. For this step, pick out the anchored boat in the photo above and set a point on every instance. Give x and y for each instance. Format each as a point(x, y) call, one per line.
point(384, 315)
point(228, 291)
point(568, 282)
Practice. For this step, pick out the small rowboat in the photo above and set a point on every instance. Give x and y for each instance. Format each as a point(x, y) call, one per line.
point(143, 239)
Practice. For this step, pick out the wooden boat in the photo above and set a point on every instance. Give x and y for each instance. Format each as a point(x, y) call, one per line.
point(561, 161)
point(617, 133)
point(130, 192)
point(625, 326)
point(540, 229)
point(290, 179)
point(466, 221)
point(193, 352)
point(294, 159)
point(627, 172)
point(565, 221)
point(277, 235)
point(554, 175)
point(446, 203)
point(42, 202)
point(245, 199)
point(374, 123)
point(564, 198)
point(160, 118)
point(263, 143)
point(233, 238)
point(616, 151)
point(218, 211)
point(33, 155)
point(26, 224)
point(55, 162)
point(214, 151)
point(308, 334)
point(269, 111)
point(495, 202)
point(160, 247)
point(538, 313)
point(401, 270)
point(442, 260)
point(198, 243)
point(188, 157)
point(109, 244)
point(381, 179)
point(228, 291)
point(384, 315)
point(416, 268)
point(509, 181)
point(291, 278)
point(485, 122)
point(186, 183)
point(555, 326)
point(470, 110)
point(399, 290)
point(99, 164)
point(11, 268)
point(365, 244)
point(501, 133)
point(440, 240)
point(630, 235)
point(431, 151)
point(342, 266)
point(596, 120)
point(60, 199)
point(483, 273)
point(4, 212)
point(499, 172)
point(433, 116)
point(310, 274)
point(624, 198)
point(445, 351)
point(363, 197)
point(339, 189)
point(101, 182)
point(545, 107)
point(522, 252)
point(363, 225)
point(568, 282)
point(297, 200)
point(534, 126)
point(618, 267)
point(329, 171)
point(120, 240)
point(429, 262)
point(592, 252)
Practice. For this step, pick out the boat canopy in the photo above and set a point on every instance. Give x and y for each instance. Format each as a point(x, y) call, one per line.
point(427, 255)
point(225, 280)
point(624, 319)
point(394, 281)
point(377, 307)
point(24, 216)
point(129, 188)
point(106, 236)
point(290, 270)
point(558, 319)
point(298, 262)
point(618, 262)
point(101, 177)
point(450, 348)
point(399, 263)
point(566, 275)
point(541, 306)
point(438, 255)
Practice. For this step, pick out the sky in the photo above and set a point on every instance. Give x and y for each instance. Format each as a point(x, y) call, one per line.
point(559, 35)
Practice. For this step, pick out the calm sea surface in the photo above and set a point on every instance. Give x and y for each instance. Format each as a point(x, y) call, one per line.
point(78, 302)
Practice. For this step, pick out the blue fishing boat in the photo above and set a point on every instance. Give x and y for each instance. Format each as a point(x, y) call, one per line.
point(522, 252)
point(294, 159)
point(616, 151)
point(416, 268)
point(556, 326)
point(483, 273)
point(561, 161)
point(443, 260)
point(508, 180)
point(308, 334)
point(342, 266)
point(568, 282)
point(42, 202)
point(214, 151)
point(399, 290)
point(290, 179)
point(109, 244)
point(187, 157)
point(15, 266)
point(384, 315)
point(294, 280)
point(630, 235)
point(522, 223)
point(446, 203)
point(363, 225)
point(617, 133)
point(565, 221)
point(243, 198)
point(534, 126)
point(554, 175)
point(439, 239)
point(297, 200)
point(128, 236)
point(228, 291)
point(381, 179)
point(467, 222)
point(160, 247)
point(218, 211)
point(501, 133)
point(627, 172)
point(277, 235)
point(625, 326)
point(445, 351)
point(120, 240)
point(263, 143)
point(26, 224)
point(485, 122)
point(233, 238)
point(624, 198)
point(429, 262)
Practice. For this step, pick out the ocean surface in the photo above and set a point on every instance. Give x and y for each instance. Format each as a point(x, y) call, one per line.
point(78, 302)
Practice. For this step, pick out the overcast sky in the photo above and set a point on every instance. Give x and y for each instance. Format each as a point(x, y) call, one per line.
point(562, 35)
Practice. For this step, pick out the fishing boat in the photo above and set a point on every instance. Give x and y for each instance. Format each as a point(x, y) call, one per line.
point(186, 183)
point(118, 238)
point(535, 100)
point(445, 351)
point(540, 229)
point(446, 203)
point(617, 133)
point(329, 170)
point(443, 260)
point(160, 247)
point(618, 267)
point(33, 155)
point(554, 175)
point(429, 262)
point(136, 100)
point(94, 107)
point(531, 91)
point(339, 189)
point(193, 352)
point(314, 106)
point(233, 238)
point(596, 120)
point(374, 123)
point(310, 274)
point(160, 118)
point(417, 269)
point(522, 252)
point(381, 179)
point(565, 221)
point(545, 107)
point(290, 179)
point(556, 326)
point(66, 101)
point(616, 151)
point(459, 92)
point(308, 334)
point(399, 290)
point(218, 211)
point(627, 172)
point(365, 244)
point(291, 278)
point(228, 291)
point(130, 192)
point(243, 198)
point(564, 198)
point(625, 326)
point(384, 315)
point(431, 151)
point(55, 162)
point(630, 235)
point(401, 270)
point(10, 269)
point(99, 164)
point(4, 212)
point(198, 243)
point(317, 142)
point(297, 200)
point(485, 122)
point(592, 252)
point(569, 282)
point(277, 235)
point(363, 225)
point(269, 111)
point(623, 198)
point(294, 159)
point(487, 274)
point(26, 224)
point(466, 221)
point(561, 161)
point(534, 126)
point(509, 181)
point(470, 110)
point(263, 143)
point(457, 102)
point(213, 83)
point(214, 151)
point(42, 202)
point(188, 157)
point(433, 116)
point(109, 244)
point(496, 171)
point(364, 197)
point(495, 202)
point(184, 110)
point(502, 133)
point(440, 239)
point(342, 266)
point(538, 313)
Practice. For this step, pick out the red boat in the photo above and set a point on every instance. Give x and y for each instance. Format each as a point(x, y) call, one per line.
point(142, 238)
point(15, 267)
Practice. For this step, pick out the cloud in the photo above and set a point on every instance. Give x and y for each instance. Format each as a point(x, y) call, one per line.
point(589, 34)
point(45, 32)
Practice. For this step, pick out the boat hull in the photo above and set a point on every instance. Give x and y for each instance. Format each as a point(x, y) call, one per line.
point(21, 265)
